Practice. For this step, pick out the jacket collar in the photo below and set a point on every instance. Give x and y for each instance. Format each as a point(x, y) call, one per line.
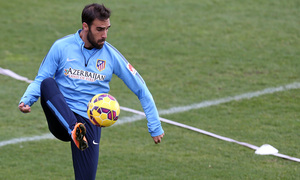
point(78, 38)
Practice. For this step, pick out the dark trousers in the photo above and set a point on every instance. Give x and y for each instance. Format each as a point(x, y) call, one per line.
point(61, 121)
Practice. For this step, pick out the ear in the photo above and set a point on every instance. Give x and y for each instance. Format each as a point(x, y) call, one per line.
point(85, 26)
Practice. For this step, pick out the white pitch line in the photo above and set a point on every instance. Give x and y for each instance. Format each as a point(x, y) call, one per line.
point(26, 139)
point(173, 110)
point(249, 95)
point(212, 134)
point(140, 115)
point(215, 102)
point(10, 73)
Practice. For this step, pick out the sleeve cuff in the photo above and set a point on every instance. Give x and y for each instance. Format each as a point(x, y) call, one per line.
point(157, 132)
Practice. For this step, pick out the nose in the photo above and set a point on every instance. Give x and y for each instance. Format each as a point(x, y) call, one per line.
point(104, 34)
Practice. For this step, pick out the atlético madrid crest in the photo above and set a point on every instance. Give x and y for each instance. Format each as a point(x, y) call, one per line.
point(101, 64)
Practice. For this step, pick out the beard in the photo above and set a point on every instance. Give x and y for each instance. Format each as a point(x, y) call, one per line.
point(93, 42)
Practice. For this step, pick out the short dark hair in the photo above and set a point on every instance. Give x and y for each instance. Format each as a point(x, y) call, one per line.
point(94, 11)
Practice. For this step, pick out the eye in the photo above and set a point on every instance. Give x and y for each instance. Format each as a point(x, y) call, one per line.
point(100, 29)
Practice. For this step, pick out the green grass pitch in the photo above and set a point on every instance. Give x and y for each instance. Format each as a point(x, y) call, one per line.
point(188, 52)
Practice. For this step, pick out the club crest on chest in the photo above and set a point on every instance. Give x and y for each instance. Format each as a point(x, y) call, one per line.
point(100, 64)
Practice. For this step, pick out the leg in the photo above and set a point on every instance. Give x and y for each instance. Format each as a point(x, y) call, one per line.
point(60, 118)
point(85, 162)
point(61, 121)
point(54, 125)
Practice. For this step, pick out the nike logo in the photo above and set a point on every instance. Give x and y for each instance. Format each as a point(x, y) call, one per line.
point(70, 59)
point(95, 142)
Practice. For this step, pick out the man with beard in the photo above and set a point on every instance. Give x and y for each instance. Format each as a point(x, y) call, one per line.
point(76, 68)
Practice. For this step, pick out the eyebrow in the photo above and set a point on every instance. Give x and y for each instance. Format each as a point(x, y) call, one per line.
point(101, 27)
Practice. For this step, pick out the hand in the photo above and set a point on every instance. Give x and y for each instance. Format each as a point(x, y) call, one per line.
point(157, 139)
point(24, 108)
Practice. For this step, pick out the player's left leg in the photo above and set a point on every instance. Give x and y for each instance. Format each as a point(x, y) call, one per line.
point(85, 162)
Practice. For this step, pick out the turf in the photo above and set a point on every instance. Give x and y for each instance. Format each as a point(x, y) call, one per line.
point(187, 52)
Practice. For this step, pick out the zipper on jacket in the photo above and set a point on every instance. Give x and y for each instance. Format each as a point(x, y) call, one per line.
point(87, 61)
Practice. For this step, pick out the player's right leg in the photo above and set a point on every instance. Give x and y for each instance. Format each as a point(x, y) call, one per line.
point(61, 120)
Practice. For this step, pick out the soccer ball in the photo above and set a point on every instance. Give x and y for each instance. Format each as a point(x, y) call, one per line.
point(103, 110)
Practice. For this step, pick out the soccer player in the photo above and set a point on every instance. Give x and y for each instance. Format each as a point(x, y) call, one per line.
point(76, 68)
